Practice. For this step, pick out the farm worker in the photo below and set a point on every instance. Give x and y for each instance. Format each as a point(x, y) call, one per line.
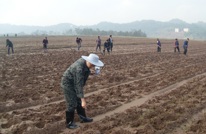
point(9, 45)
point(72, 83)
point(158, 45)
point(111, 42)
point(106, 46)
point(98, 41)
point(185, 46)
point(45, 43)
point(79, 42)
point(176, 45)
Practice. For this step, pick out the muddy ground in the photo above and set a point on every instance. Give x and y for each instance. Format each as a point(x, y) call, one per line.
point(138, 91)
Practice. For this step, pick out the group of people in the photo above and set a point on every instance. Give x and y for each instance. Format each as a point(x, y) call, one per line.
point(74, 78)
point(176, 45)
point(10, 45)
point(108, 45)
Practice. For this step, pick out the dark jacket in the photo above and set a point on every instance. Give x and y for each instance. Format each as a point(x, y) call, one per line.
point(9, 43)
point(185, 45)
point(75, 77)
point(107, 44)
point(45, 42)
point(158, 43)
point(177, 43)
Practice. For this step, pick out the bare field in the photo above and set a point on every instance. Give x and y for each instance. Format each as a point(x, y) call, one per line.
point(138, 91)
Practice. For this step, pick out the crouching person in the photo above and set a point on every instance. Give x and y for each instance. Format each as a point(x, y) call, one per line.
point(106, 47)
point(9, 44)
point(72, 83)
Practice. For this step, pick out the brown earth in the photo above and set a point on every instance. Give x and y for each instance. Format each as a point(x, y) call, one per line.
point(138, 90)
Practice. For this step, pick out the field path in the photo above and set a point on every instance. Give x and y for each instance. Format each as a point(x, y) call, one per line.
point(139, 102)
point(90, 93)
point(190, 121)
point(86, 95)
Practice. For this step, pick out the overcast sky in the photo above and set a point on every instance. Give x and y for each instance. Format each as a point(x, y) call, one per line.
point(89, 12)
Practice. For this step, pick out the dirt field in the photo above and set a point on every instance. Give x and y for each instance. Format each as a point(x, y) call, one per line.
point(139, 91)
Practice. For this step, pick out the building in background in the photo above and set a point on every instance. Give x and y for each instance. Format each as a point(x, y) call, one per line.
point(177, 30)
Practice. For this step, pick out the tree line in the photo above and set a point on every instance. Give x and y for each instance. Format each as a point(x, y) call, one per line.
point(89, 31)
point(84, 31)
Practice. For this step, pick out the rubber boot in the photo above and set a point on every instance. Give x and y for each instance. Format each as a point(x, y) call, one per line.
point(82, 115)
point(70, 120)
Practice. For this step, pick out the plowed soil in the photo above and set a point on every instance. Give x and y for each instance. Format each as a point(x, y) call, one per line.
point(138, 91)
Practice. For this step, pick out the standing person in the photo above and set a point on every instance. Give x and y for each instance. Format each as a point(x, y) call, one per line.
point(111, 42)
point(98, 41)
point(158, 45)
point(9, 45)
point(45, 43)
point(79, 42)
point(177, 45)
point(185, 46)
point(72, 83)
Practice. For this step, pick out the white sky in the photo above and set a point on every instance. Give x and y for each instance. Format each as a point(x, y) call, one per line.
point(89, 12)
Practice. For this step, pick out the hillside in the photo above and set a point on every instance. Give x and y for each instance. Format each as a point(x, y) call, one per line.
point(152, 28)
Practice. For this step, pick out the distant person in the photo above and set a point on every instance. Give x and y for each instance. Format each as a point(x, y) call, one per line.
point(185, 46)
point(158, 45)
point(106, 47)
point(176, 45)
point(72, 83)
point(98, 41)
point(79, 42)
point(45, 43)
point(9, 45)
point(111, 42)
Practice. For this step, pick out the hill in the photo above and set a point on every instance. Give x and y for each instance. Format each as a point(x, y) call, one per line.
point(152, 28)
point(159, 29)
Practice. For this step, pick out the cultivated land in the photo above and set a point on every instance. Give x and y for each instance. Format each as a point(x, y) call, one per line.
point(138, 91)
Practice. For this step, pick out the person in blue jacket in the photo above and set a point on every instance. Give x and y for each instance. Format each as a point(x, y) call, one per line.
point(185, 46)
point(158, 45)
